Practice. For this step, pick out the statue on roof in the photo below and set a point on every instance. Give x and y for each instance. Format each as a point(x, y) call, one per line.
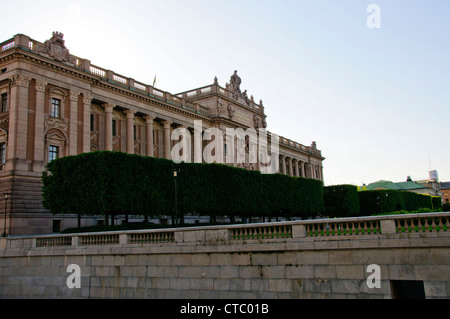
point(235, 82)
point(56, 48)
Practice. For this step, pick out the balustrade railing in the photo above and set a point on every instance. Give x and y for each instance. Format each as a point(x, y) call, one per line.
point(100, 239)
point(343, 228)
point(423, 224)
point(436, 224)
point(261, 232)
point(54, 241)
point(154, 237)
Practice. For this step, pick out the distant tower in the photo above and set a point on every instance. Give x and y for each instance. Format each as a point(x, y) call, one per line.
point(434, 176)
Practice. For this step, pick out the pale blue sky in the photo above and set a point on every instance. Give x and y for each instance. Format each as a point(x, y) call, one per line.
point(377, 101)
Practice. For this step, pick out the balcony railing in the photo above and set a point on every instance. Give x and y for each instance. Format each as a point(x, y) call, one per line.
point(337, 228)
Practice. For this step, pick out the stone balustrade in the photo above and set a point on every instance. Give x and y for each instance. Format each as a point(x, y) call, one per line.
point(324, 258)
point(345, 228)
point(34, 46)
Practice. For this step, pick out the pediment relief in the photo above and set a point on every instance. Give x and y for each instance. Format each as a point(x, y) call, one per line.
point(55, 135)
point(55, 123)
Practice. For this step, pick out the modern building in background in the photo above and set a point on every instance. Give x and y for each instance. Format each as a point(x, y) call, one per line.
point(55, 104)
point(430, 186)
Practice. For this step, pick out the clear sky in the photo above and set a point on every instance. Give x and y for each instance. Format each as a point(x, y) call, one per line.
point(376, 101)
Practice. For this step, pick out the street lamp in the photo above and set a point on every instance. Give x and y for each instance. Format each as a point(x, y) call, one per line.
point(175, 175)
point(6, 205)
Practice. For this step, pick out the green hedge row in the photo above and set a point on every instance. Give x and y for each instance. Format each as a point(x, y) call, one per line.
point(341, 201)
point(116, 183)
point(346, 201)
point(386, 201)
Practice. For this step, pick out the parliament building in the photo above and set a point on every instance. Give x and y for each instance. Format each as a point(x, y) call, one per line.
point(55, 104)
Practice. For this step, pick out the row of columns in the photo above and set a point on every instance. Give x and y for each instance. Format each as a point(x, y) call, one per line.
point(298, 168)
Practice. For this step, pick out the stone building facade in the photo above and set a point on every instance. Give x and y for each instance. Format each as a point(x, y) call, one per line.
point(56, 104)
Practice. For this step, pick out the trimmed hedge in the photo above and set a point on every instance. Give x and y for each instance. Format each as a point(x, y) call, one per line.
point(341, 201)
point(116, 183)
point(386, 201)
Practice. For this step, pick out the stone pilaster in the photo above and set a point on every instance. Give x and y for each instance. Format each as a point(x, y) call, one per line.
point(108, 126)
point(130, 130)
point(149, 133)
point(18, 124)
point(73, 131)
point(87, 99)
point(167, 141)
point(39, 144)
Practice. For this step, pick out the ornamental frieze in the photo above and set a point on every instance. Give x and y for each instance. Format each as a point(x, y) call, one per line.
point(56, 124)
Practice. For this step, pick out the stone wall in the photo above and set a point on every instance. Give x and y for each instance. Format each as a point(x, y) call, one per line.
point(279, 260)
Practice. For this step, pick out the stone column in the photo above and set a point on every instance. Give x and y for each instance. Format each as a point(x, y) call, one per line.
point(87, 99)
point(291, 172)
point(149, 133)
point(185, 145)
point(283, 164)
point(302, 169)
point(18, 124)
point(198, 144)
point(39, 143)
point(167, 141)
point(108, 126)
point(130, 130)
point(73, 131)
point(295, 162)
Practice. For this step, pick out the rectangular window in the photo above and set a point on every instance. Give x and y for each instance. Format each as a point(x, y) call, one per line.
point(92, 122)
point(114, 128)
point(134, 132)
point(56, 225)
point(53, 153)
point(2, 154)
point(56, 108)
point(4, 106)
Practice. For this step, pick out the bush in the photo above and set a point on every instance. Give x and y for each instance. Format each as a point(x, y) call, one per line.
point(446, 207)
point(116, 183)
point(341, 201)
point(386, 201)
point(436, 202)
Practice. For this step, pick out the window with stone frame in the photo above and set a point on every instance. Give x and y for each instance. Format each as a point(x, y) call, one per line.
point(55, 110)
point(53, 152)
point(2, 154)
point(4, 103)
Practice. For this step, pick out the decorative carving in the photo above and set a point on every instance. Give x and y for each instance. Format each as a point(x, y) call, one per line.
point(220, 107)
point(87, 99)
point(231, 111)
point(55, 47)
point(40, 86)
point(108, 107)
point(56, 123)
point(149, 119)
point(314, 149)
point(130, 114)
point(20, 80)
point(74, 96)
point(256, 120)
